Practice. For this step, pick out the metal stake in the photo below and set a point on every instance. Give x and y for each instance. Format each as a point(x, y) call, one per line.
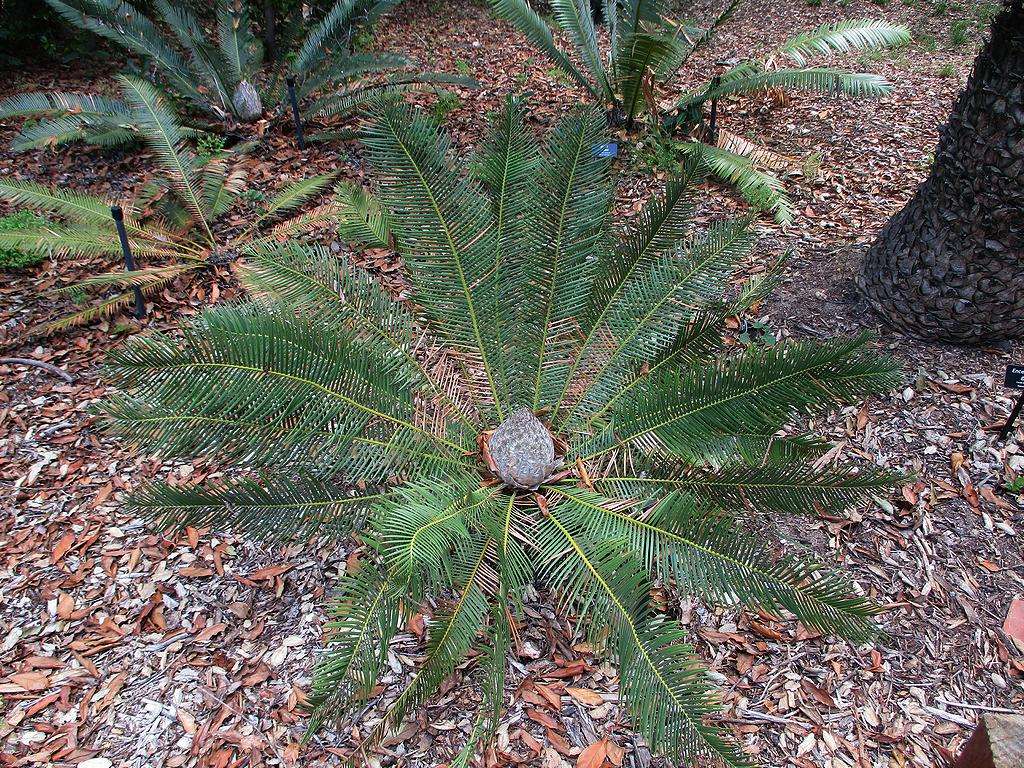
point(713, 126)
point(1012, 418)
point(129, 261)
point(295, 112)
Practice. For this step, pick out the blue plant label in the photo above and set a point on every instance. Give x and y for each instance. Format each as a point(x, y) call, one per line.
point(606, 150)
point(1015, 376)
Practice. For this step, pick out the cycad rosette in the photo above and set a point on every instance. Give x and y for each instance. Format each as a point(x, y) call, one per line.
point(172, 230)
point(551, 407)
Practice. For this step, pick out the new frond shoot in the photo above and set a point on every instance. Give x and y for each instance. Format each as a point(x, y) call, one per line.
point(172, 229)
point(647, 49)
point(554, 407)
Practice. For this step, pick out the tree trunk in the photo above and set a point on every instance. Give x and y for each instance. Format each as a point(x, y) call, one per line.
point(950, 265)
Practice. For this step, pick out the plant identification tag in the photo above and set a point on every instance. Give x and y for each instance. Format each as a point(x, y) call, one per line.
point(1014, 376)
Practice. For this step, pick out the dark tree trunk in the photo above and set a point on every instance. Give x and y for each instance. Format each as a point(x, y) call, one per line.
point(269, 30)
point(950, 265)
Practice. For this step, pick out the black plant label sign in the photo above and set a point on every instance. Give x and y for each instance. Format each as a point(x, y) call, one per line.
point(1015, 376)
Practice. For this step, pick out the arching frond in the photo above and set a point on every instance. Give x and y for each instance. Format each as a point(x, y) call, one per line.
point(361, 219)
point(686, 412)
point(160, 129)
point(363, 619)
point(441, 222)
point(842, 36)
point(761, 189)
point(525, 19)
point(662, 685)
point(506, 166)
point(704, 551)
point(265, 505)
point(571, 225)
point(573, 16)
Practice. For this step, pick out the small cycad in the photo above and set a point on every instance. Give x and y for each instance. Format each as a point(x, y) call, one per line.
point(554, 406)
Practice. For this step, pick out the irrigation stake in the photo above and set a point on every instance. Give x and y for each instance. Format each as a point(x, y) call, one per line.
point(295, 112)
point(129, 261)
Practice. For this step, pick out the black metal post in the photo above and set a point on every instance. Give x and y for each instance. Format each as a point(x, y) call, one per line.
point(295, 112)
point(129, 261)
point(713, 127)
point(1012, 418)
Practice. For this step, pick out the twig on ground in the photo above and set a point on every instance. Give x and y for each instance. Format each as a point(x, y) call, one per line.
point(48, 367)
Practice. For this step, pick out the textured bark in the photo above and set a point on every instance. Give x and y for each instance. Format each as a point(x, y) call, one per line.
point(950, 265)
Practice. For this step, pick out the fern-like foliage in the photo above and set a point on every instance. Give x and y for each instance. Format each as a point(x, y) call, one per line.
point(179, 238)
point(340, 408)
point(648, 48)
point(220, 72)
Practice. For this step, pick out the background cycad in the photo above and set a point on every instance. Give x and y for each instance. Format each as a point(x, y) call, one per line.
point(181, 235)
point(341, 409)
point(219, 73)
point(647, 48)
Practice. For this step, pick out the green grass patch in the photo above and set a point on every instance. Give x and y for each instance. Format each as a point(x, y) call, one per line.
point(12, 259)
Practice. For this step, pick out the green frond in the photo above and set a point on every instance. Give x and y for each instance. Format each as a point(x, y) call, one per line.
point(363, 619)
point(843, 36)
point(571, 229)
point(692, 414)
point(74, 206)
point(654, 304)
point(441, 225)
point(205, 61)
point(505, 167)
point(764, 191)
point(316, 282)
point(297, 194)
point(279, 389)
point(361, 219)
point(491, 675)
point(520, 15)
point(324, 35)
point(451, 632)
point(123, 24)
point(574, 18)
point(751, 77)
point(265, 505)
point(54, 241)
point(657, 230)
point(161, 130)
point(788, 488)
point(422, 523)
point(643, 53)
point(238, 46)
point(62, 118)
point(704, 551)
point(661, 683)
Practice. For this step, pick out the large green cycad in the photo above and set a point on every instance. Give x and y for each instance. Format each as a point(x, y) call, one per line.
point(344, 410)
point(646, 49)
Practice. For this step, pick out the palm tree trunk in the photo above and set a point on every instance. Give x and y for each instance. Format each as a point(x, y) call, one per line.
point(950, 265)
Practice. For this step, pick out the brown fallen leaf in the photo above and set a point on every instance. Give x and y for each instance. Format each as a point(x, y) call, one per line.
point(586, 696)
point(1013, 626)
point(62, 547)
point(593, 756)
point(31, 681)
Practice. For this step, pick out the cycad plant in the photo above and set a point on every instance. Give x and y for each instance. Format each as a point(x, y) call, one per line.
point(552, 407)
point(217, 73)
point(646, 50)
point(174, 229)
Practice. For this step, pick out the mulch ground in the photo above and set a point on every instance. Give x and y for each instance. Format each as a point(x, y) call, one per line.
point(120, 645)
